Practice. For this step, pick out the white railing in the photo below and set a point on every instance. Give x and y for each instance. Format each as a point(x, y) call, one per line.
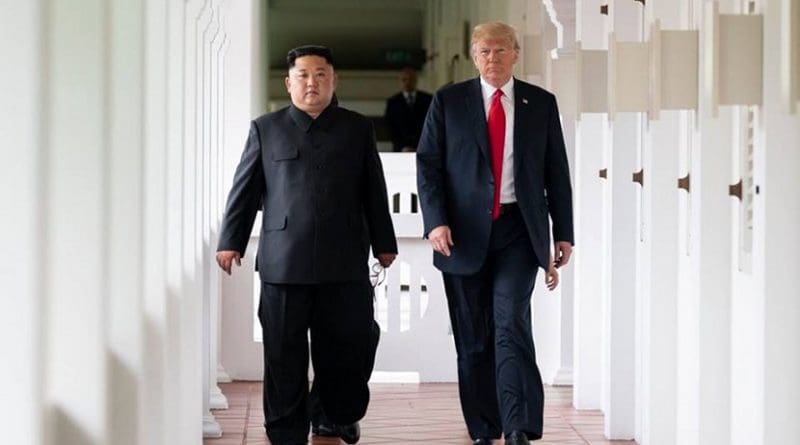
point(410, 305)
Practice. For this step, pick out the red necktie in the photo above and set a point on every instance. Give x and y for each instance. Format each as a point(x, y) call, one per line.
point(497, 141)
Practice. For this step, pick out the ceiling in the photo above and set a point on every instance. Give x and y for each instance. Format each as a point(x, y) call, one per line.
point(360, 32)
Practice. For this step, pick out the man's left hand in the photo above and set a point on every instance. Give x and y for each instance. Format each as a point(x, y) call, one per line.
point(551, 277)
point(386, 259)
point(563, 252)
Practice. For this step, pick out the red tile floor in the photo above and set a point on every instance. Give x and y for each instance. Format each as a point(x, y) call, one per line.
point(401, 414)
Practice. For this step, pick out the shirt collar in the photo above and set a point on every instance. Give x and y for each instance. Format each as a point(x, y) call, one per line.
point(304, 121)
point(488, 90)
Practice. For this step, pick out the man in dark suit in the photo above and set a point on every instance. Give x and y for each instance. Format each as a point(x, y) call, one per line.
point(491, 166)
point(314, 170)
point(405, 112)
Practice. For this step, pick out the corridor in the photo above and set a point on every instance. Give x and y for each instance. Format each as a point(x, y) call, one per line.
point(401, 413)
point(677, 321)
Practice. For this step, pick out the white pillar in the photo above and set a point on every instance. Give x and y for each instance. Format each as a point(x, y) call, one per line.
point(216, 43)
point(711, 261)
point(659, 377)
point(779, 213)
point(245, 98)
point(197, 17)
point(123, 224)
point(75, 260)
point(712, 208)
point(661, 250)
point(22, 194)
point(564, 370)
point(177, 392)
point(688, 327)
point(200, 31)
point(159, 391)
point(623, 304)
point(589, 229)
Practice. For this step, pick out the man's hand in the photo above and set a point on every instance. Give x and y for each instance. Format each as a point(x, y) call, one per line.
point(563, 252)
point(386, 259)
point(441, 239)
point(551, 277)
point(225, 259)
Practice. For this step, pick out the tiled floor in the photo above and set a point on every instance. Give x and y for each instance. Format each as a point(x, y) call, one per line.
point(401, 414)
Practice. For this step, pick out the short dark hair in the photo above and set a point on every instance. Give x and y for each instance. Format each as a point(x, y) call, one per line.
point(309, 50)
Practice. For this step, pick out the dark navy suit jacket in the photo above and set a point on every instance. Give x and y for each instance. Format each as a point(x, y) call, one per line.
point(404, 122)
point(454, 175)
point(320, 184)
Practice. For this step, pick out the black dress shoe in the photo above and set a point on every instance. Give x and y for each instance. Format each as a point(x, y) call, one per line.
point(482, 441)
point(325, 430)
point(350, 433)
point(517, 438)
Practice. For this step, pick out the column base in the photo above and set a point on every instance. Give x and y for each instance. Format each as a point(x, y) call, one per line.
point(563, 376)
point(222, 375)
point(217, 399)
point(211, 429)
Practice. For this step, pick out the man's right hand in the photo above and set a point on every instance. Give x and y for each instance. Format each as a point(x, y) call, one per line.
point(225, 259)
point(441, 239)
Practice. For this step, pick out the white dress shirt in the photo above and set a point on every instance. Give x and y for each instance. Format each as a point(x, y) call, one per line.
point(507, 194)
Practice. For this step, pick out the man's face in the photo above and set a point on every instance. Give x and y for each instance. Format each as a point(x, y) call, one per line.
point(311, 83)
point(495, 60)
point(408, 80)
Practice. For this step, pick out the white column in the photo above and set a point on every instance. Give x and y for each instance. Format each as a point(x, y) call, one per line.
point(688, 325)
point(623, 304)
point(182, 420)
point(217, 42)
point(197, 17)
point(589, 229)
point(242, 102)
point(561, 310)
point(712, 207)
point(659, 376)
point(711, 260)
point(22, 194)
point(661, 249)
point(566, 338)
point(75, 260)
point(122, 225)
point(158, 392)
point(778, 211)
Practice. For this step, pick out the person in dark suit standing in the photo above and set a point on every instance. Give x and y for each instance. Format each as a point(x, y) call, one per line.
point(491, 168)
point(405, 112)
point(314, 170)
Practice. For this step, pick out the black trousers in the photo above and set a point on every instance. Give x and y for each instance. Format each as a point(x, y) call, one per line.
point(499, 383)
point(315, 410)
point(340, 317)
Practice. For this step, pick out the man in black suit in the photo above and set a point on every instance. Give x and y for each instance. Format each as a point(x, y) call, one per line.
point(314, 170)
point(405, 112)
point(491, 167)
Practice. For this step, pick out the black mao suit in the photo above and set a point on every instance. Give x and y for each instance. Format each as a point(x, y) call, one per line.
point(405, 121)
point(490, 274)
point(321, 187)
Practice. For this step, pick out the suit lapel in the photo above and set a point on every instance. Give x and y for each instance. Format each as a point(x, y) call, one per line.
point(474, 102)
point(522, 115)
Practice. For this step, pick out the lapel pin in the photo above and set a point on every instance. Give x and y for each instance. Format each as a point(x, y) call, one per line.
point(525, 101)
